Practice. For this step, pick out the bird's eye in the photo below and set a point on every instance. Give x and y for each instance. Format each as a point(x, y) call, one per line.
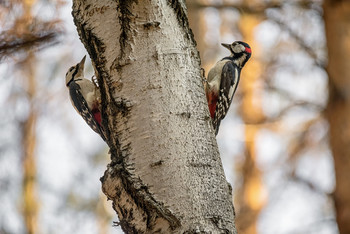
point(70, 70)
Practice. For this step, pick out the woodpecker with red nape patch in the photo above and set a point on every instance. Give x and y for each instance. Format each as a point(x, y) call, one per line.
point(223, 79)
point(85, 97)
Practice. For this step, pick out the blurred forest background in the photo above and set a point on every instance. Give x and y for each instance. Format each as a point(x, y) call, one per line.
point(285, 143)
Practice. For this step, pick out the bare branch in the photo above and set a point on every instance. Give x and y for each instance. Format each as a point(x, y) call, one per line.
point(42, 36)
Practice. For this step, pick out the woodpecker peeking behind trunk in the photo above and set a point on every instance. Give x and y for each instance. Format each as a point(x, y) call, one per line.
point(223, 79)
point(85, 97)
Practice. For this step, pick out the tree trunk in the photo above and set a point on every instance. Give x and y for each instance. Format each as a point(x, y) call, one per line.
point(337, 25)
point(166, 174)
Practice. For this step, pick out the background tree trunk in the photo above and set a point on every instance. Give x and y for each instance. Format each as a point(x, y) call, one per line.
point(337, 22)
point(29, 139)
point(251, 198)
point(30, 203)
point(166, 173)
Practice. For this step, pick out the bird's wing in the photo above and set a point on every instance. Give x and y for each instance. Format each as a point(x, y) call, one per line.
point(228, 85)
point(81, 106)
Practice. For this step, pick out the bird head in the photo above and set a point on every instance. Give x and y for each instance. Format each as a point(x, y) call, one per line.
point(75, 71)
point(240, 52)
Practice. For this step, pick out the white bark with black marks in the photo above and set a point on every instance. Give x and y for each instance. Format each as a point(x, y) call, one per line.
point(166, 174)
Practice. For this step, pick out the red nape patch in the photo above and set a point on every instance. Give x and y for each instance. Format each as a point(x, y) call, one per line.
point(248, 50)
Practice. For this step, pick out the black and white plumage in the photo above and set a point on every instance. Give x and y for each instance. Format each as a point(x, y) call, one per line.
point(223, 80)
point(85, 97)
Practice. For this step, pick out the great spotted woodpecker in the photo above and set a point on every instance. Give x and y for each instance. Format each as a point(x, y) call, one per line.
point(85, 97)
point(223, 79)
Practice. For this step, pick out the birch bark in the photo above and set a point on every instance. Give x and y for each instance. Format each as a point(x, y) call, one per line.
point(165, 173)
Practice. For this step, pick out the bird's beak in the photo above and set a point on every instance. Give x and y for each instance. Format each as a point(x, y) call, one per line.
point(82, 62)
point(80, 66)
point(227, 46)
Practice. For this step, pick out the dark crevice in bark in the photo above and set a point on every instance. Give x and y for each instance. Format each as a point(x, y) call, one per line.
point(125, 222)
point(150, 25)
point(125, 17)
point(181, 15)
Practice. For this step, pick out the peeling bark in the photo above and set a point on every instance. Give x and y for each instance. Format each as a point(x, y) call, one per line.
point(166, 174)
